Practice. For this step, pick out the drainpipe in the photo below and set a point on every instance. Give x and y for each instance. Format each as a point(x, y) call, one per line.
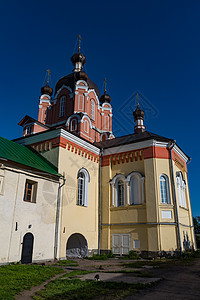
point(57, 229)
point(170, 147)
point(99, 227)
point(192, 222)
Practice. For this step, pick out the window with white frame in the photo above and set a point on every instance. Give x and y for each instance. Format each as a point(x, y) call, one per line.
point(133, 184)
point(164, 189)
point(62, 106)
point(92, 110)
point(83, 182)
point(181, 188)
point(135, 190)
point(120, 192)
point(74, 125)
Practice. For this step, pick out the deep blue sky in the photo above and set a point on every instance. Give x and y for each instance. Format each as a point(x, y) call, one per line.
point(148, 46)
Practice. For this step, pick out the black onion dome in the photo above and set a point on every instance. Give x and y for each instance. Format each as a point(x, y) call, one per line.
point(82, 76)
point(78, 57)
point(72, 78)
point(47, 90)
point(138, 113)
point(105, 98)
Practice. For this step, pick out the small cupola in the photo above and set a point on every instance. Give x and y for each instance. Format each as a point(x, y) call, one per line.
point(78, 59)
point(138, 115)
point(47, 90)
point(105, 98)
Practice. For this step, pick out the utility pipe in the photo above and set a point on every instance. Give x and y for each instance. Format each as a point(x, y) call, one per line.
point(58, 218)
point(99, 227)
point(170, 147)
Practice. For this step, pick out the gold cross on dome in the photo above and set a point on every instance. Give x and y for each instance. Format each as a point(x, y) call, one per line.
point(48, 74)
point(105, 85)
point(79, 43)
point(137, 100)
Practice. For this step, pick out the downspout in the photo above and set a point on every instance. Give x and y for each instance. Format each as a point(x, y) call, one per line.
point(99, 227)
point(57, 229)
point(192, 222)
point(170, 147)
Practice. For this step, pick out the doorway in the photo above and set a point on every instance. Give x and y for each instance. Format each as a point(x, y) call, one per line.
point(121, 244)
point(77, 246)
point(27, 248)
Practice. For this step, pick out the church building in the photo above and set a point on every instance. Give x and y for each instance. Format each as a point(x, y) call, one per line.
point(118, 193)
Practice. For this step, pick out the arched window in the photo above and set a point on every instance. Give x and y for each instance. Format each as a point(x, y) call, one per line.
point(92, 110)
point(120, 192)
point(83, 180)
point(135, 191)
point(164, 189)
point(62, 106)
point(73, 125)
point(181, 187)
point(135, 188)
point(86, 126)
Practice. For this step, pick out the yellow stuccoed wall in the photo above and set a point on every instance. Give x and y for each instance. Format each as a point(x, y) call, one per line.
point(122, 220)
point(154, 232)
point(75, 218)
point(145, 221)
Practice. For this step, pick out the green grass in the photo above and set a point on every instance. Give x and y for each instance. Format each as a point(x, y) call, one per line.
point(101, 256)
point(132, 255)
point(66, 263)
point(15, 278)
point(76, 273)
point(76, 289)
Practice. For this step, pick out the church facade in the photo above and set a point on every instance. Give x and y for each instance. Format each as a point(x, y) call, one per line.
point(119, 193)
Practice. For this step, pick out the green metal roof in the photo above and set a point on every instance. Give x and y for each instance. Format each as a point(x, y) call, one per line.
point(25, 155)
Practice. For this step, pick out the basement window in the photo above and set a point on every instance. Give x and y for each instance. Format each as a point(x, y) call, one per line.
point(30, 191)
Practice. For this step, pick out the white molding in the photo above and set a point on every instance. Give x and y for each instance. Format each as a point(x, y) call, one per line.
point(106, 108)
point(129, 147)
point(60, 89)
point(77, 86)
point(73, 138)
point(93, 90)
point(73, 116)
point(47, 135)
point(106, 103)
point(144, 144)
point(88, 118)
point(180, 153)
point(45, 95)
point(44, 101)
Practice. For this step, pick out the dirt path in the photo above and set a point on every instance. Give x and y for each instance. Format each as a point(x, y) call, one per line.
point(181, 282)
point(27, 295)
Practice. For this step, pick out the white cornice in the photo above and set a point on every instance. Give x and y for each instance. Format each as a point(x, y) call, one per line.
point(144, 144)
point(180, 153)
point(82, 143)
point(129, 147)
point(47, 135)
